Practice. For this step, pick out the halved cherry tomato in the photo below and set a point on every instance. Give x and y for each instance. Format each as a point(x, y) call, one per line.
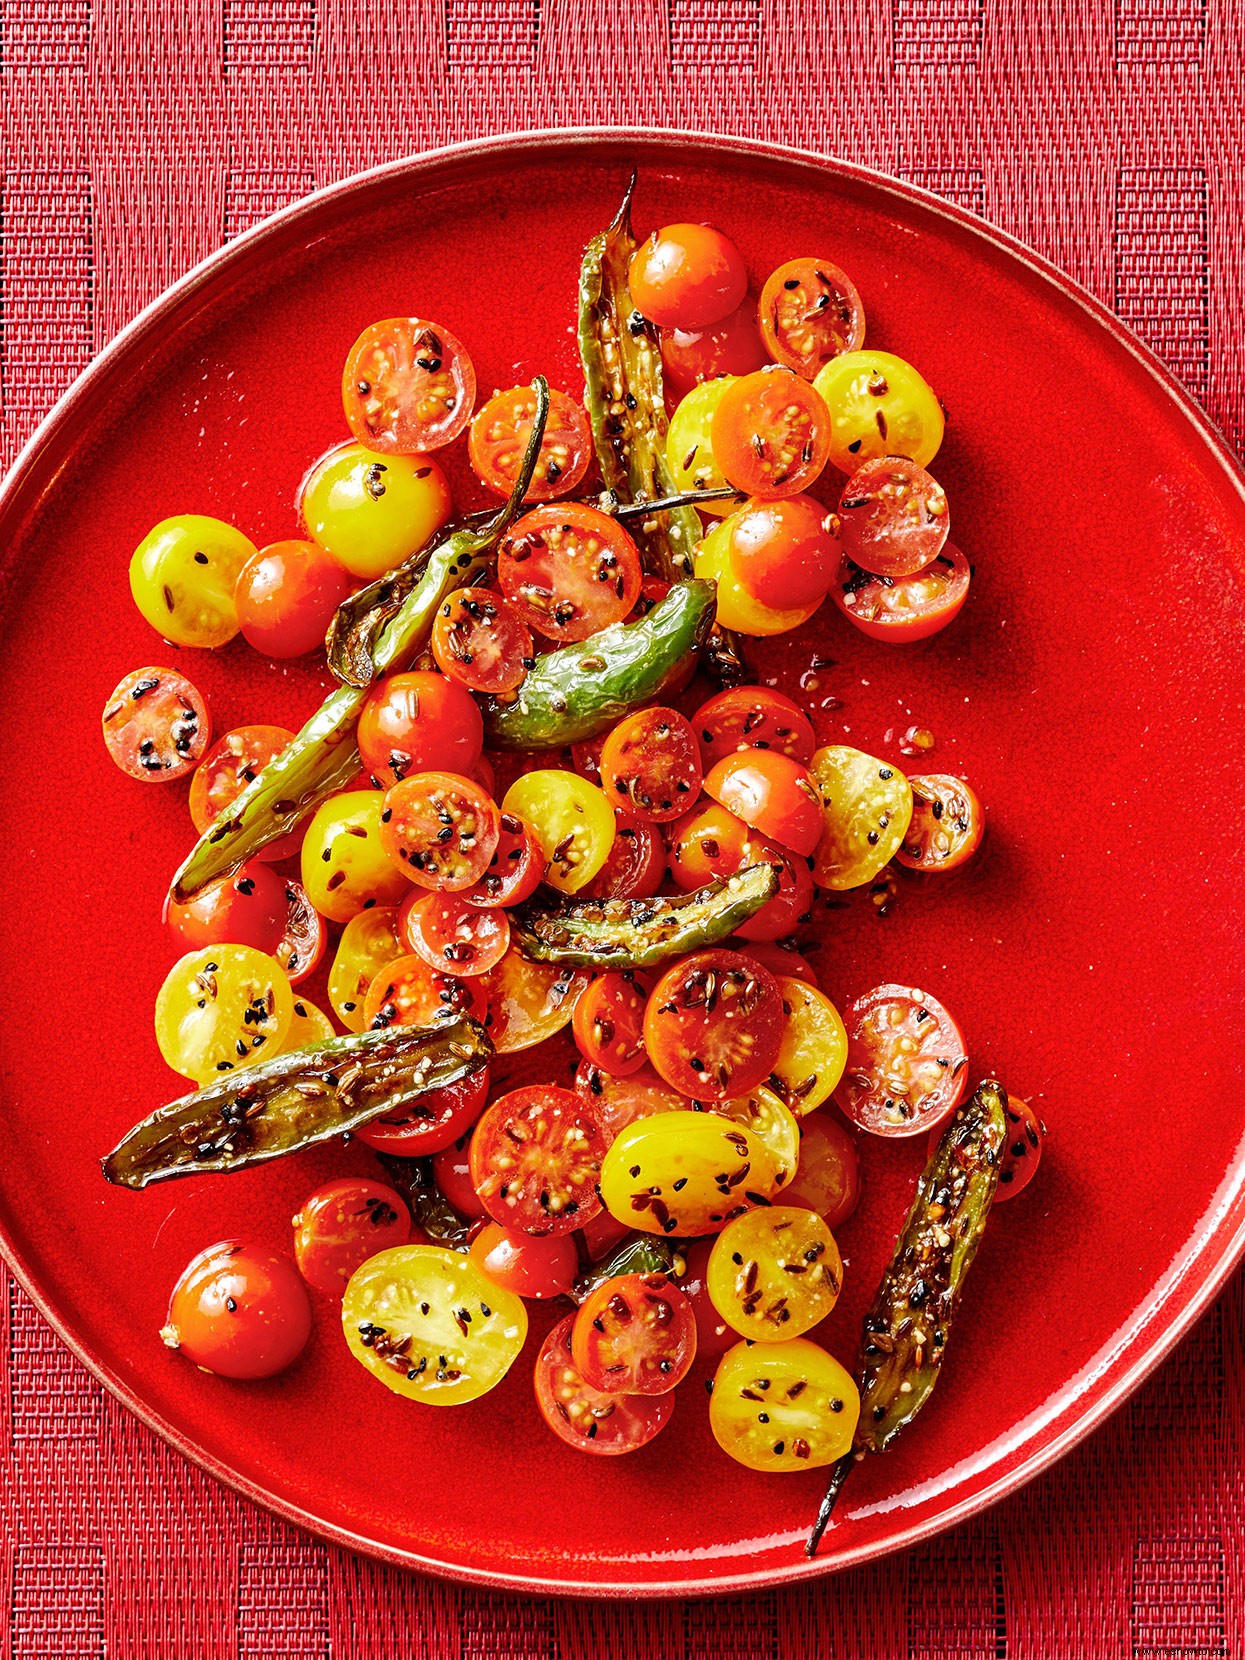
point(309, 1025)
point(1026, 1135)
point(783, 1406)
point(182, 579)
point(827, 1178)
point(609, 1024)
point(783, 551)
point(810, 312)
point(341, 1225)
point(773, 794)
point(776, 955)
point(521, 1263)
point(685, 1173)
point(156, 725)
point(419, 722)
point(635, 1334)
point(515, 869)
point(239, 1311)
point(752, 717)
point(651, 760)
point(732, 346)
point(408, 385)
point(713, 1025)
point(868, 806)
point(437, 1120)
point(737, 609)
point(878, 405)
point(619, 1101)
point(222, 1008)
point(451, 1170)
point(368, 943)
point(775, 1273)
point(453, 936)
point(635, 864)
point(893, 517)
point(689, 446)
point(687, 277)
point(232, 763)
point(771, 433)
point(481, 641)
point(814, 1047)
point(602, 1233)
point(905, 608)
point(573, 821)
point(247, 908)
point(592, 1420)
point(535, 1159)
point(713, 1335)
point(485, 776)
point(774, 1125)
point(407, 992)
point(345, 865)
point(286, 596)
point(947, 825)
point(529, 1002)
point(711, 843)
point(906, 1064)
point(586, 757)
point(500, 434)
point(569, 570)
point(304, 938)
point(440, 829)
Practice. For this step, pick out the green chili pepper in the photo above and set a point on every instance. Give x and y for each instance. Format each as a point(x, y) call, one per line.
point(429, 1208)
point(909, 1324)
point(295, 1100)
point(640, 933)
point(642, 1253)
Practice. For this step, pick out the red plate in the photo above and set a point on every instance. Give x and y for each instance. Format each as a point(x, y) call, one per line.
point(1091, 692)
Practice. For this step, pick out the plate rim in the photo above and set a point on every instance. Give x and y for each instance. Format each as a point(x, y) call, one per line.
point(147, 323)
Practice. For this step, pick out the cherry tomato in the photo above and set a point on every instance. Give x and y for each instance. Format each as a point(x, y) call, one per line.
point(687, 277)
point(437, 1120)
point(775, 1273)
point(371, 509)
point(481, 642)
point(783, 1406)
point(713, 1335)
point(232, 763)
point(618, 1101)
point(772, 1124)
point(592, 1420)
point(908, 608)
point(771, 433)
point(221, 1008)
point(408, 385)
point(419, 722)
point(239, 1311)
point(689, 445)
point(778, 956)
point(247, 908)
point(814, 1047)
point(810, 312)
point(906, 1064)
point(947, 823)
point(453, 936)
point(635, 864)
point(502, 430)
point(602, 1235)
point(713, 1025)
point(407, 992)
point(609, 1024)
point(773, 794)
point(569, 570)
point(752, 717)
point(827, 1178)
point(286, 596)
point(429, 1325)
point(484, 775)
point(515, 870)
point(529, 1267)
point(685, 1173)
point(369, 943)
point(341, 1225)
point(573, 821)
point(732, 346)
point(652, 762)
point(635, 1334)
point(451, 1170)
point(535, 1159)
point(711, 843)
point(156, 725)
point(304, 937)
point(790, 906)
point(183, 575)
point(893, 517)
point(879, 405)
point(783, 551)
point(417, 815)
point(310, 1025)
point(868, 807)
point(345, 866)
point(737, 609)
point(529, 1002)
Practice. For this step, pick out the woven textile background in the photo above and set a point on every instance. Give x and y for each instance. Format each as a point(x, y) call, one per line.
point(140, 134)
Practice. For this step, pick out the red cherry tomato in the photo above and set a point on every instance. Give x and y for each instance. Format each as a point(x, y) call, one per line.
point(713, 1025)
point(908, 608)
point(827, 1178)
point(783, 552)
point(419, 722)
point(773, 794)
point(417, 815)
point(439, 1119)
point(535, 1159)
point(777, 958)
point(732, 346)
point(771, 434)
point(906, 1064)
point(527, 1266)
point(947, 825)
point(408, 385)
point(592, 1420)
point(500, 434)
point(752, 717)
point(156, 725)
point(232, 763)
point(239, 1311)
point(1026, 1135)
point(635, 864)
point(407, 992)
point(711, 843)
point(810, 312)
point(485, 776)
point(286, 595)
point(451, 1170)
point(713, 1336)
point(247, 908)
point(303, 941)
point(687, 277)
point(635, 1334)
point(515, 869)
point(618, 1101)
point(608, 1024)
point(341, 1225)
point(603, 1233)
point(652, 762)
point(480, 641)
point(569, 570)
point(893, 517)
point(453, 936)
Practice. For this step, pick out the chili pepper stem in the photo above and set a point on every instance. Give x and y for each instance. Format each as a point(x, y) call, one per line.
point(839, 1475)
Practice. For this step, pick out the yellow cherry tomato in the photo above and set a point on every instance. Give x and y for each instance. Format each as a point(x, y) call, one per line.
point(430, 1325)
point(879, 405)
point(814, 1046)
point(736, 607)
point(371, 511)
point(344, 865)
point(783, 1406)
point(689, 444)
point(762, 1112)
point(369, 943)
point(868, 806)
point(685, 1173)
point(220, 1009)
point(774, 1273)
point(183, 574)
point(308, 1025)
point(529, 1002)
point(573, 821)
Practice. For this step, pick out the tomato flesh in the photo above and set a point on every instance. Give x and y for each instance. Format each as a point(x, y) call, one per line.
point(810, 312)
point(407, 385)
point(232, 763)
point(440, 829)
point(453, 936)
point(893, 517)
point(771, 434)
point(156, 726)
point(516, 868)
point(906, 1064)
point(500, 434)
point(239, 1311)
point(752, 717)
point(947, 823)
point(713, 1025)
point(617, 1100)
point(907, 608)
point(535, 1158)
point(711, 843)
point(480, 641)
point(635, 1334)
point(608, 1024)
point(341, 1225)
point(569, 570)
point(592, 1420)
point(408, 992)
point(635, 864)
point(652, 762)
point(435, 1121)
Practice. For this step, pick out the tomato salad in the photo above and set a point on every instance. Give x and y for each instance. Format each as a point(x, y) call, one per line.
point(526, 816)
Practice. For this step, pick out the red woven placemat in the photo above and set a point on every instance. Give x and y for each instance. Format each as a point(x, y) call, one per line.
point(138, 135)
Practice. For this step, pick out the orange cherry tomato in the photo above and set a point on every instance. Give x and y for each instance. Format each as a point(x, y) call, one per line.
point(452, 935)
point(608, 1024)
point(752, 717)
point(481, 641)
point(780, 959)
point(947, 823)
point(341, 1225)
point(438, 1119)
point(652, 762)
point(500, 434)
point(441, 830)
point(687, 277)
point(286, 595)
point(827, 1178)
point(713, 1025)
point(521, 1263)
point(419, 722)
point(773, 794)
point(569, 570)
point(810, 312)
point(711, 843)
point(618, 1101)
point(782, 551)
point(732, 346)
point(907, 1069)
point(515, 870)
point(408, 992)
point(893, 517)
point(635, 864)
point(239, 1311)
point(635, 1334)
point(771, 433)
point(156, 726)
point(906, 608)
point(408, 386)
